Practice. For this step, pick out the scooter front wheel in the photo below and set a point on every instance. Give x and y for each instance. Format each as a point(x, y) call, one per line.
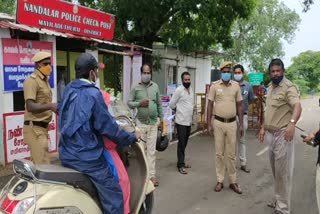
point(147, 205)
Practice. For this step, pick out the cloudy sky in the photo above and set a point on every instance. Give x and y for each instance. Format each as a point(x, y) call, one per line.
point(307, 37)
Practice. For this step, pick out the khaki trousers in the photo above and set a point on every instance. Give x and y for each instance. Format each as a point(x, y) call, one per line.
point(281, 155)
point(37, 139)
point(225, 135)
point(318, 186)
point(149, 134)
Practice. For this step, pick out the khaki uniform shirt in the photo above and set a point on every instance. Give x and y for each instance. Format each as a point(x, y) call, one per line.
point(225, 98)
point(279, 105)
point(36, 87)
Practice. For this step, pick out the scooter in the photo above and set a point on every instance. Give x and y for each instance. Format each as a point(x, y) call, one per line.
point(53, 189)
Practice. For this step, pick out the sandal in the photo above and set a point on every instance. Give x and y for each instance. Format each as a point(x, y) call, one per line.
point(187, 166)
point(182, 170)
point(154, 181)
point(272, 205)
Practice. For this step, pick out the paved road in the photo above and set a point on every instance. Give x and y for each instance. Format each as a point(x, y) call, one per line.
point(193, 193)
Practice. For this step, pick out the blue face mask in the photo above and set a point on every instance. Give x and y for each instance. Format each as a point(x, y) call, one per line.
point(226, 76)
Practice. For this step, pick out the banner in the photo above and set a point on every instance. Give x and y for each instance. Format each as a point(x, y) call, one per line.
point(66, 17)
point(17, 64)
point(14, 146)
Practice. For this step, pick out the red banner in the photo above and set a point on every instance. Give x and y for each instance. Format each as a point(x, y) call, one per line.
point(66, 17)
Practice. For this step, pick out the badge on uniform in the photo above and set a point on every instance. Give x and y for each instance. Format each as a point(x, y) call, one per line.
point(245, 92)
point(219, 91)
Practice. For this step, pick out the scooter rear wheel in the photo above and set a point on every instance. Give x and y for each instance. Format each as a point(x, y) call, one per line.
point(147, 205)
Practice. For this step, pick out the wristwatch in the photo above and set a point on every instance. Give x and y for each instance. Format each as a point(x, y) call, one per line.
point(292, 121)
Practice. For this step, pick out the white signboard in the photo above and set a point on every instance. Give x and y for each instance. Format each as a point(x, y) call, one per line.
point(14, 145)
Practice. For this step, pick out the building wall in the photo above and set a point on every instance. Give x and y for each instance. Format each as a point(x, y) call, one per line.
point(201, 67)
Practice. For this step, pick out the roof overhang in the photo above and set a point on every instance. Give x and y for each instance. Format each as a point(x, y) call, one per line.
point(7, 21)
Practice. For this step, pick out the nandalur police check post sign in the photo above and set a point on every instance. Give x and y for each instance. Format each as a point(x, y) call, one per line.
point(66, 17)
point(17, 64)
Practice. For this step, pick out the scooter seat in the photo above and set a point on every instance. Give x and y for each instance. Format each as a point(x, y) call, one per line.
point(66, 175)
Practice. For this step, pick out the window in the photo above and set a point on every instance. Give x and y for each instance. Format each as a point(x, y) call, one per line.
point(173, 75)
point(18, 101)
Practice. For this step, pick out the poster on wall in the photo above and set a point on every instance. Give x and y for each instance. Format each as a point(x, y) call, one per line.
point(14, 146)
point(17, 64)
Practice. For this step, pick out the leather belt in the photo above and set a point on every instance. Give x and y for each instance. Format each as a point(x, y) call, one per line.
point(36, 123)
point(225, 120)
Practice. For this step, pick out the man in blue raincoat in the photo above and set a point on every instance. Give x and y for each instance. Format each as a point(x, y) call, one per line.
point(83, 121)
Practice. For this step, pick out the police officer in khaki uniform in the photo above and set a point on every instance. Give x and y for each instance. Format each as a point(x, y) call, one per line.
point(38, 108)
point(225, 102)
point(282, 111)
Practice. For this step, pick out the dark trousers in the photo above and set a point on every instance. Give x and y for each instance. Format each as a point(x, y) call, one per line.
point(183, 137)
point(109, 191)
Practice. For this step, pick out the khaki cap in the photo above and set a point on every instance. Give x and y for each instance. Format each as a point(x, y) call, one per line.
point(40, 56)
point(226, 64)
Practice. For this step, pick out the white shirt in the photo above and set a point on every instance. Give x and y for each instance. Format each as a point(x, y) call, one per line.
point(183, 100)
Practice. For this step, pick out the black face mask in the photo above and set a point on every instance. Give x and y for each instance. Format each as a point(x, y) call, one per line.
point(186, 84)
point(277, 80)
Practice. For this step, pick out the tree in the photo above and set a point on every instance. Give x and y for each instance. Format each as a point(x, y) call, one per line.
point(307, 4)
point(188, 24)
point(7, 6)
point(305, 70)
point(259, 38)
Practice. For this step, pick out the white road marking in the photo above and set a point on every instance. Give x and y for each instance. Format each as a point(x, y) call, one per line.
point(193, 135)
point(300, 119)
point(262, 151)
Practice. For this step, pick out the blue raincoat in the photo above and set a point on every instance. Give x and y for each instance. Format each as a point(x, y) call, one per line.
point(83, 120)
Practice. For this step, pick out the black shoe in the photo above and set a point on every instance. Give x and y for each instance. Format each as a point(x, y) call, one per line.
point(244, 168)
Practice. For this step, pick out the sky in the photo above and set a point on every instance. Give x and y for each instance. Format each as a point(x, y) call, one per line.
point(307, 37)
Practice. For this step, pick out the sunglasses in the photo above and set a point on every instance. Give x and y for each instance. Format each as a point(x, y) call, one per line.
point(46, 63)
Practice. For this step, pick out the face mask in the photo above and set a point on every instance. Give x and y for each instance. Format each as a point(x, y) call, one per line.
point(45, 70)
point(276, 81)
point(238, 77)
point(146, 78)
point(186, 84)
point(226, 76)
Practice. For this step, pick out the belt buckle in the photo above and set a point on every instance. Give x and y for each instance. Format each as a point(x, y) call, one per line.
point(226, 120)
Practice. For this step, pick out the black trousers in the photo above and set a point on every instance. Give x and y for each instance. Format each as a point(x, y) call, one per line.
point(183, 137)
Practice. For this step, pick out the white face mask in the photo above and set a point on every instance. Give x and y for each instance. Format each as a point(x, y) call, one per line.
point(145, 78)
point(238, 77)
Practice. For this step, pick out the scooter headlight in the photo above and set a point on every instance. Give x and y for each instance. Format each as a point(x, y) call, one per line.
point(23, 206)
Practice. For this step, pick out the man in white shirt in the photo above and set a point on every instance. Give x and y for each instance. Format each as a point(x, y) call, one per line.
point(182, 101)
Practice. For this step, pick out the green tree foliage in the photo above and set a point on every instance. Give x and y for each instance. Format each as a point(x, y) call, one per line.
point(307, 4)
point(305, 71)
point(8, 6)
point(259, 38)
point(190, 25)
